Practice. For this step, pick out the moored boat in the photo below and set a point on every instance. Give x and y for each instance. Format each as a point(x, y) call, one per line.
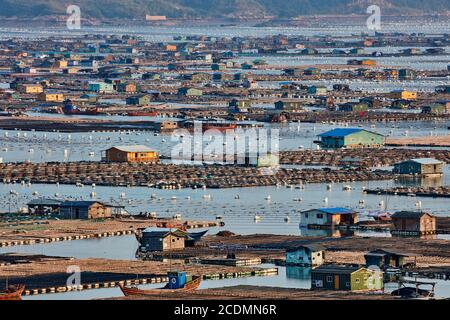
point(142, 114)
point(12, 293)
point(178, 282)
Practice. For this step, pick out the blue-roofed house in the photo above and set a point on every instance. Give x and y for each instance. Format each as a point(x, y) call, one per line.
point(420, 166)
point(328, 217)
point(350, 138)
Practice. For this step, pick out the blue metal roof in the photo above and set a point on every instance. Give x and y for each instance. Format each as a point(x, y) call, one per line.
point(339, 132)
point(79, 203)
point(336, 210)
point(342, 132)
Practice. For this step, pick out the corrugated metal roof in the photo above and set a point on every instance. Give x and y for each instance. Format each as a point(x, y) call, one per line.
point(336, 210)
point(336, 269)
point(44, 202)
point(80, 203)
point(342, 132)
point(135, 148)
point(426, 161)
point(409, 214)
point(311, 247)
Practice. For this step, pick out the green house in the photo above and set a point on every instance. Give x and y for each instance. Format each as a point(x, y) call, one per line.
point(350, 138)
point(347, 278)
point(190, 92)
point(354, 107)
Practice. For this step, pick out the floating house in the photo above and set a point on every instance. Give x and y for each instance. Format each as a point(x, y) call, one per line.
point(307, 255)
point(348, 278)
point(289, 105)
point(414, 223)
point(30, 88)
point(386, 258)
point(354, 107)
point(437, 108)
point(51, 97)
point(101, 87)
point(140, 100)
point(190, 92)
point(420, 166)
point(44, 206)
point(350, 138)
point(85, 210)
point(403, 94)
point(328, 217)
point(161, 239)
point(132, 154)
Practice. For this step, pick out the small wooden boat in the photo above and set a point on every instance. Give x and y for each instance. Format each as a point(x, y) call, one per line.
point(12, 293)
point(168, 288)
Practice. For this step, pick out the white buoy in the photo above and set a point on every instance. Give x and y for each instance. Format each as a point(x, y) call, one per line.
point(287, 219)
point(268, 198)
point(257, 217)
point(177, 216)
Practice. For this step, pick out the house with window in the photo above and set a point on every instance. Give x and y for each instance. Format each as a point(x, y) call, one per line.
point(413, 222)
point(132, 154)
point(385, 259)
point(420, 166)
point(161, 239)
point(350, 138)
point(306, 255)
point(328, 217)
point(347, 278)
point(140, 100)
point(85, 210)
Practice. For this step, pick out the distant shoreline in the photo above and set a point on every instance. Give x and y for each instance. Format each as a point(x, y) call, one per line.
point(300, 21)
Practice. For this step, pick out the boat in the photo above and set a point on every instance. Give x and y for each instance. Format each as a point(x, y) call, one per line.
point(178, 282)
point(142, 114)
point(410, 292)
point(70, 109)
point(380, 216)
point(12, 293)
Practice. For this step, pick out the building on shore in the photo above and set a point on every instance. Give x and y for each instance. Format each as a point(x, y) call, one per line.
point(420, 166)
point(350, 138)
point(413, 223)
point(348, 278)
point(329, 217)
point(132, 154)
